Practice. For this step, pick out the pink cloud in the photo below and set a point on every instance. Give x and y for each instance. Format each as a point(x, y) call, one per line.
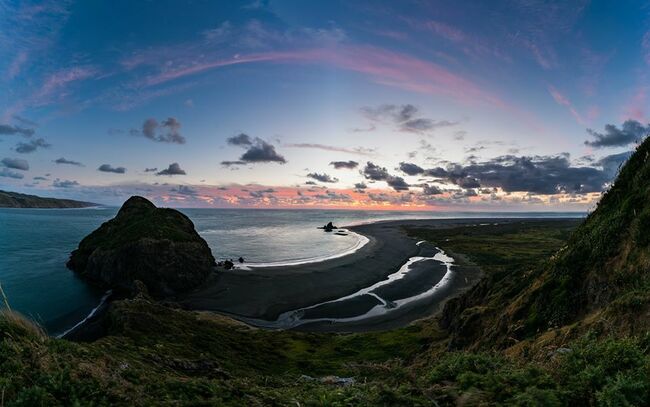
point(382, 66)
point(17, 64)
point(562, 100)
point(636, 108)
point(53, 87)
point(59, 80)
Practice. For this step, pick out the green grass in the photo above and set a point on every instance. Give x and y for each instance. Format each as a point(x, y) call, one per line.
point(509, 254)
point(160, 355)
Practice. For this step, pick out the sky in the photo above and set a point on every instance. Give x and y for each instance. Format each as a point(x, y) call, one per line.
point(517, 105)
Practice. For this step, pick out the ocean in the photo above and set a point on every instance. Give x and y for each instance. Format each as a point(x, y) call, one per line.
point(35, 245)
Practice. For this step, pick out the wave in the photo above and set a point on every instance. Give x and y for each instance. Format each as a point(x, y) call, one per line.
point(361, 242)
point(90, 315)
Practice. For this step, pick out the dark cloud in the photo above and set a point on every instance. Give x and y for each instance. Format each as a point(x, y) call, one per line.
point(110, 168)
point(397, 183)
point(240, 140)
point(410, 169)
point(322, 177)
point(39, 179)
point(15, 163)
point(70, 162)
point(185, 190)
point(258, 151)
point(630, 132)
point(333, 196)
point(168, 131)
point(375, 172)
point(58, 183)
point(149, 128)
point(232, 163)
point(380, 197)
point(612, 163)
point(310, 183)
point(151, 169)
point(9, 130)
point(7, 173)
point(468, 182)
point(31, 146)
point(344, 164)
point(536, 174)
point(262, 152)
point(405, 117)
point(360, 186)
point(431, 190)
point(173, 169)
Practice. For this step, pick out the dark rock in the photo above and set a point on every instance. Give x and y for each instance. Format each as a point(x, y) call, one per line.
point(157, 246)
point(228, 264)
point(241, 259)
point(329, 227)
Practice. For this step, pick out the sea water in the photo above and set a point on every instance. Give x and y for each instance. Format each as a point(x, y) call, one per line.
point(36, 243)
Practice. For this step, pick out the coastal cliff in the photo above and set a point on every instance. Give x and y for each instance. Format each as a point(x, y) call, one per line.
point(158, 246)
point(16, 200)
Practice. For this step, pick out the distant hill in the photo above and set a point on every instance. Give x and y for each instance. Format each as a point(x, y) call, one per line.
point(16, 200)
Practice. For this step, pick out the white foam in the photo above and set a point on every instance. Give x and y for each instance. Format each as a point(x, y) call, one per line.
point(92, 313)
point(361, 241)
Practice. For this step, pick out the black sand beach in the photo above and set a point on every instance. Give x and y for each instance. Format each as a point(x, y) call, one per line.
point(263, 294)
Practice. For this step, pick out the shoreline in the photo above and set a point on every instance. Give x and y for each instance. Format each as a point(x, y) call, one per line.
point(265, 293)
point(361, 242)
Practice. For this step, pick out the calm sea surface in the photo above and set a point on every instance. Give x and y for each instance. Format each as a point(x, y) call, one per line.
point(36, 243)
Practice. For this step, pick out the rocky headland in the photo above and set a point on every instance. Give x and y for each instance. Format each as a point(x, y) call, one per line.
point(16, 200)
point(157, 246)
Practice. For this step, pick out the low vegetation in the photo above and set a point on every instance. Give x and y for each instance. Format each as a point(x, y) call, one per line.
point(559, 319)
point(157, 354)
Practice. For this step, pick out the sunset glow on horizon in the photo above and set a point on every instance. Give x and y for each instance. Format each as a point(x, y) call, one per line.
point(417, 105)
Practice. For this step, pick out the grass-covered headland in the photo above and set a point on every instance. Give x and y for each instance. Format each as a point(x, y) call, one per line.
point(560, 318)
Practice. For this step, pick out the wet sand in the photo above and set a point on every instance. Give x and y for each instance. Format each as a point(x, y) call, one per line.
point(266, 293)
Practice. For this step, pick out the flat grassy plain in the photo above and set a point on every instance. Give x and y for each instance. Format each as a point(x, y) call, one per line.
point(158, 354)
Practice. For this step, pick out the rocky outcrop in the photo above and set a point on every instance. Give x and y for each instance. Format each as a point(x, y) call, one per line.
point(157, 246)
point(329, 227)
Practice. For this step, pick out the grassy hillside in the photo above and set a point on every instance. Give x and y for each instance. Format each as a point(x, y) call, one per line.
point(597, 282)
point(156, 354)
point(16, 200)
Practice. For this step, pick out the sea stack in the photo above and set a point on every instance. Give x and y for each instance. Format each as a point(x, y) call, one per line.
point(158, 246)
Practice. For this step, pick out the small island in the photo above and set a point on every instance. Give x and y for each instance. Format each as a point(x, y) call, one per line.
point(16, 200)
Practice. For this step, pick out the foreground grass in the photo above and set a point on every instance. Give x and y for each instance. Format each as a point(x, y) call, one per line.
point(160, 355)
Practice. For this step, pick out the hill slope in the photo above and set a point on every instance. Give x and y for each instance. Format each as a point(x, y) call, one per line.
point(602, 273)
point(16, 200)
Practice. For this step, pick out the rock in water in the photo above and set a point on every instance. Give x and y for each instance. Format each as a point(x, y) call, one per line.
point(158, 246)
